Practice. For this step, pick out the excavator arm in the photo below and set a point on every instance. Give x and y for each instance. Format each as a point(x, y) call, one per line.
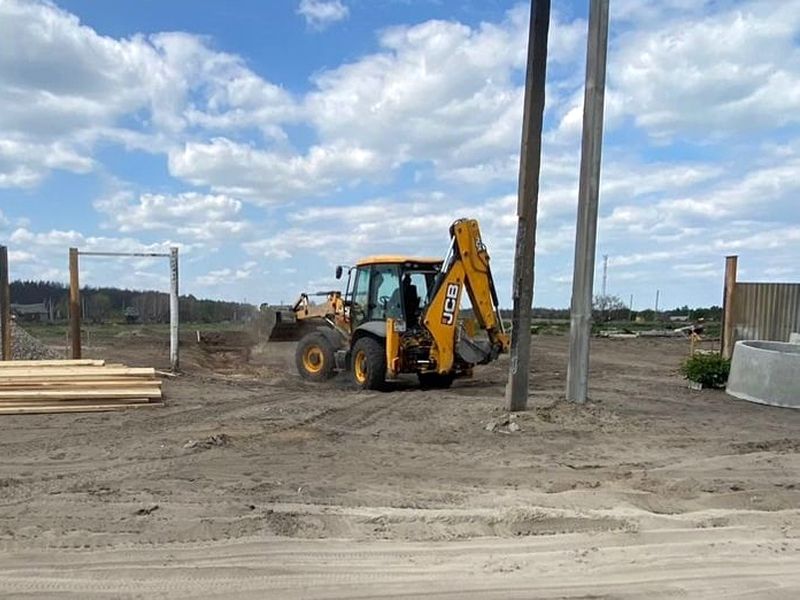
point(466, 267)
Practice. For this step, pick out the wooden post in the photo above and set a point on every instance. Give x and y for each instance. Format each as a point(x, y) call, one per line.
point(588, 200)
point(527, 206)
point(174, 311)
point(5, 304)
point(728, 324)
point(74, 303)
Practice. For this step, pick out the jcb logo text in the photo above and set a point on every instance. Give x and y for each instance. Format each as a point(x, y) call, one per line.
point(450, 303)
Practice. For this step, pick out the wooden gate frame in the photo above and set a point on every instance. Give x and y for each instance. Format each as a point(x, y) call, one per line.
point(75, 298)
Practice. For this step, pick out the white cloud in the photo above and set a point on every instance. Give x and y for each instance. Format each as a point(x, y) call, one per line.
point(22, 162)
point(198, 217)
point(266, 176)
point(732, 71)
point(71, 88)
point(320, 14)
point(227, 276)
point(439, 91)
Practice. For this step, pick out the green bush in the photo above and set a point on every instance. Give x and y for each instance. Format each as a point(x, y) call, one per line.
point(709, 370)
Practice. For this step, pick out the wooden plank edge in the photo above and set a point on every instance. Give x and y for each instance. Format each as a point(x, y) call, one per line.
point(78, 362)
point(100, 402)
point(27, 372)
point(46, 409)
point(78, 394)
point(89, 384)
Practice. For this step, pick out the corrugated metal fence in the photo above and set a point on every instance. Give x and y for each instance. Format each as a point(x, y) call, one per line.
point(766, 311)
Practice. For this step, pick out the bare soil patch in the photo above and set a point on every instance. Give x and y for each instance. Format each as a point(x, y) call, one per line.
point(263, 479)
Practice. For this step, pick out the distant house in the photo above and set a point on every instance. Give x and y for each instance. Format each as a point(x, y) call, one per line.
point(31, 312)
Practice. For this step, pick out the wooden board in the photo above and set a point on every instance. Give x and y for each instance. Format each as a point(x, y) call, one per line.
point(79, 362)
point(85, 385)
point(77, 394)
point(81, 402)
point(45, 408)
point(22, 384)
point(80, 371)
point(89, 380)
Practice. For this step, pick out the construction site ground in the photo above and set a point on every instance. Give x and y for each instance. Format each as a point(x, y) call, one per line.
point(253, 483)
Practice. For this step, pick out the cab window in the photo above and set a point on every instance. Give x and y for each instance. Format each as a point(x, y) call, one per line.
point(384, 296)
point(358, 309)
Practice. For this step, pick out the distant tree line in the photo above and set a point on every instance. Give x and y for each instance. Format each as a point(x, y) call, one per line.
point(612, 308)
point(104, 304)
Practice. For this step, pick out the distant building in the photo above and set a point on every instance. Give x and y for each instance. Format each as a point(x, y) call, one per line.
point(679, 318)
point(31, 312)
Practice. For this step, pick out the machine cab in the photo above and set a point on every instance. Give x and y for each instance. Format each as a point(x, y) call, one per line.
point(391, 287)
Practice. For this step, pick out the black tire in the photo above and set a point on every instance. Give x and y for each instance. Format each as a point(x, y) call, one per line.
point(369, 364)
point(435, 381)
point(314, 357)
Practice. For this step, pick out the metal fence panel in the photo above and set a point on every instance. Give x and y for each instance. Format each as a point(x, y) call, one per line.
point(766, 311)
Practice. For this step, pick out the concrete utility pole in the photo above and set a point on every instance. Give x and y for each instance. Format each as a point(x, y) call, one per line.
point(527, 206)
point(588, 195)
point(605, 275)
point(630, 309)
point(5, 304)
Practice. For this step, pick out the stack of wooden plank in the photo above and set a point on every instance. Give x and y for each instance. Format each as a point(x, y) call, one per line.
point(55, 386)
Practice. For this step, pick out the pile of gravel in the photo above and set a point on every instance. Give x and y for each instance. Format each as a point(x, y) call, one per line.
point(26, 347)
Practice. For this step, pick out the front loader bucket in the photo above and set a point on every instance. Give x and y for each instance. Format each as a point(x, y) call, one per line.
point(279, 324)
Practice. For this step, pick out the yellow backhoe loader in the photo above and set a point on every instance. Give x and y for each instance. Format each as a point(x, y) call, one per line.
point(401, 315)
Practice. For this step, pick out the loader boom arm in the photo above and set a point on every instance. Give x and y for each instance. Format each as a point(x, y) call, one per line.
point(466, 266)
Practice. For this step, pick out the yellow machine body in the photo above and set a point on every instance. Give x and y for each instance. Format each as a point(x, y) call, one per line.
point(402, 314)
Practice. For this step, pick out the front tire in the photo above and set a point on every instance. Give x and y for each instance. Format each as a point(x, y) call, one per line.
point(314, 357)
point(369, 364)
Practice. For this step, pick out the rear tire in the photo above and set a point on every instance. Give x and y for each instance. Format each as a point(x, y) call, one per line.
point(369, 364)
point(314, 357)
point(435, 381)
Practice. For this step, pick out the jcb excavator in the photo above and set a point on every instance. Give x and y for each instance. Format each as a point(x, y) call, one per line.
point(401, 315)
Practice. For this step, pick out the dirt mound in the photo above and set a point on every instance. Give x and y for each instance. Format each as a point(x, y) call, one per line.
point(225, 351)
point(26, 347)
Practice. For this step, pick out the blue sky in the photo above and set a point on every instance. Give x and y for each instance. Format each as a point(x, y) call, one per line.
point(273, 140)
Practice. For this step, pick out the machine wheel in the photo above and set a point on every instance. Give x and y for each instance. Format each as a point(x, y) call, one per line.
point(369, 364)
point(435, 381)
point(314, 357)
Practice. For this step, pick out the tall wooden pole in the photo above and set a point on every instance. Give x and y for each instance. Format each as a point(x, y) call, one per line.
point(729, 298)
point(74, 303)
point(588, 197)
point(5, 304)
point(174, 310)
point(527, 205)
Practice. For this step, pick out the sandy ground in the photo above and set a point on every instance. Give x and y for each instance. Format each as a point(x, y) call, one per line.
point(252, 483)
